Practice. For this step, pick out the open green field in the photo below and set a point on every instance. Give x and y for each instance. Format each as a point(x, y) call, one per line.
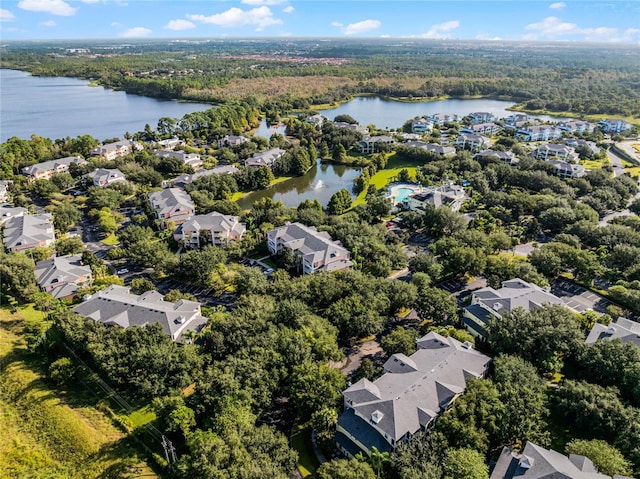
point(301, 441)
point(383, 177)
point(43, 434)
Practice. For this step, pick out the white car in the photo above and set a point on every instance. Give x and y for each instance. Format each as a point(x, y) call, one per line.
point(122, 271)
point(269, 271)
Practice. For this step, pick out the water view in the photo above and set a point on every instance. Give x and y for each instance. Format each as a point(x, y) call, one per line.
point(60, 107)
point(320, 183)
point(392, 114)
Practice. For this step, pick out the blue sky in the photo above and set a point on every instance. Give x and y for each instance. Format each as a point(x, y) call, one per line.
point(582, 21)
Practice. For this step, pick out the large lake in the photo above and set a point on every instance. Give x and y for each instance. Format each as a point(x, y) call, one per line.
point(393, 114)
point(60, 107)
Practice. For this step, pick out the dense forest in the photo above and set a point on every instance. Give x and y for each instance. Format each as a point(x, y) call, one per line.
point(582, 79)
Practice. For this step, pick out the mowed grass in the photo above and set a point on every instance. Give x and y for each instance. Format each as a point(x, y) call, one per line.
point(301, 442)
point(382, 178)
point(41, 434)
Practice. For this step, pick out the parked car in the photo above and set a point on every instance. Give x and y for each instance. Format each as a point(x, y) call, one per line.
point(122, 271)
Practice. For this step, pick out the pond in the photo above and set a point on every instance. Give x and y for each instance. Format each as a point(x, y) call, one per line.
point(320, 182)
point(390, 114)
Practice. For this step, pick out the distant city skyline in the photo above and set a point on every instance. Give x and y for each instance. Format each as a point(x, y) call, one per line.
point(577, 21)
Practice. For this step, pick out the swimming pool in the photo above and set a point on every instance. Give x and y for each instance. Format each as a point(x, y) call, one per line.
point(401, 194)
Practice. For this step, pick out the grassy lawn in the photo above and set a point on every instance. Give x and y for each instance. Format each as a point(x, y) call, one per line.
point(594, 164)
point(27, 312)
point(111, 240)
point(43, 433)
point(382, 178)
point(301, 442)
point(142, 416)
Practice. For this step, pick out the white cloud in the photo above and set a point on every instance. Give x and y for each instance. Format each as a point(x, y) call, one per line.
point(90, 1)
point(179, 24)
point(288, 9)
point(557, 5)
point(552, 27)
point(136, 32)
point(116, 24)
point(263, 2)
point(440, 30)
point(358, 27)
point(6, 15)
point(54, 7)
point(485, 36)
point(48, 23)
point(261, 17)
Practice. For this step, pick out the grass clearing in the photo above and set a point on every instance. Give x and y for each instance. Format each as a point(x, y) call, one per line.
point(42, 434)
point(595, 164)
point(142, 416)
point(382, 178)
point(301, 442)
point(111, 240)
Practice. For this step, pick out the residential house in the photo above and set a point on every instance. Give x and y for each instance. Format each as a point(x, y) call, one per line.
point(451, 196)
point(371, 144)
point(482, 117)
point(614, 125)
point(172, 204)
point(555, 151)
point(116, 306)
point(577, 126)
point(409, 396)
point(45, 170)
point(468, 141)
point(538, 133)
point(580, 143)
point(481, 129)
point(62, 276)
point(421, 126)
point(184, 180)
point(440, 118)
point(507, 157)
point(118, 149)
point(265, 158)
point(433, 148)
point(231, 140)
point(103, 177)
point(315, 249)
point(517, 118)
point(7, 212)
point(351, 126)
point(623, 329)
point(535, 462)
point(22, 233)
point(568, 170)
point(214, 228)
point(190, 159)
point(170, 143)
point(4, 190)
point(489, 302)
point(315, 120)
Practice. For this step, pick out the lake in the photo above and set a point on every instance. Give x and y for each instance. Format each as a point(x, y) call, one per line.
point(60, 107)
point(390, 114)
point(320, 182)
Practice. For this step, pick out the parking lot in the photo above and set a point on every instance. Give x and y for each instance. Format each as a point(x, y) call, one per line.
point(203, 294)
point(579, 298)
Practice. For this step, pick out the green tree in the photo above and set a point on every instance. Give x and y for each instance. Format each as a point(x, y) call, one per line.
point(464, 464)
point(65, 246)
point(609, 460)
point(345, 469)
point(62, 370)
point(339, 154)
point(339, 203)
point(400, 340)
point(17, 271)
point(436, 305)
point(142, 285)
point(315, 385)
point(176, 295)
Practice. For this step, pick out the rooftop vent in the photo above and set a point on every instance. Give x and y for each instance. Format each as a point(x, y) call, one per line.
point(376, 416)
point(467, 345)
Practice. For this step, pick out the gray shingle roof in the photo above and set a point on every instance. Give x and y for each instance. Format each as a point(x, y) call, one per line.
point(623, 329)
point(536, 462)
point(171, 200)
point(116, 306)
point(28, 230)
point(8, 211)
point(213, 221)
point(53, 164)
point(515, 293)
point(103, 176)
point(61, 270)
point(414, 390)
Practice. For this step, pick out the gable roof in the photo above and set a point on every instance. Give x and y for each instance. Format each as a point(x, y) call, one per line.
point(416, 389)
point(27, 230)
point(536, 462)
point(61, 272)
point(515, 293)
point(116, 306)
point(171, 200)
point(52, 164)
point(100, 175)
point(213, 221)
point(623, 329)
point(7, 212)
